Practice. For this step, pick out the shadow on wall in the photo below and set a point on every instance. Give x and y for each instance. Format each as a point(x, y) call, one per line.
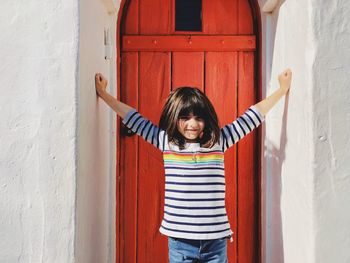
point(275, 154)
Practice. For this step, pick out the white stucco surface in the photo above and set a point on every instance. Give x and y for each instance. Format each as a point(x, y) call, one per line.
point(96, 208)
point(38, 71)
point(288, 227)
point(306, 175)
point(57, 158)
point(331, 126)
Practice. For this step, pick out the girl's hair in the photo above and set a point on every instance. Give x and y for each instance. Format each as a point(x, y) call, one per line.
point(182, 102)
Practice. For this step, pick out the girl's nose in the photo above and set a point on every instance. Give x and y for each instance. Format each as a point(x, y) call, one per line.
point(192, 121)
point(193, 125)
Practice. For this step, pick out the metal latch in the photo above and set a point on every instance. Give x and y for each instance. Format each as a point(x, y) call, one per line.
point(124, 130)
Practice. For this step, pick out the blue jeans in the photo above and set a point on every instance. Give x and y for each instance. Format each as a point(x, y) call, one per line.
point(191, 251)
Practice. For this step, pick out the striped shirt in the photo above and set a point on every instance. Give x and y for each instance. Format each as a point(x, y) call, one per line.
point(194, 206)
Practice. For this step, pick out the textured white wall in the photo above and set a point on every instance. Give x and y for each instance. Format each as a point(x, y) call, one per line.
point(287, 167)
point(330, 130)
point(38, 72)
point(95, 240)
point(306, 169)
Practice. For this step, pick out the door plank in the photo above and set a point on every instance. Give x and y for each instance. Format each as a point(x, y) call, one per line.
point(155, 17)
point(247, 188)
point(131, 25)
point(220, 17)
point(154, 84)
point(129, 163)
point(245, 18)
point(221, 88)
point(188, 69)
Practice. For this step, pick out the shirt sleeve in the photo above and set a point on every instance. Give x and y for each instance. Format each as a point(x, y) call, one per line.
point(243, 125)
point(145, 128)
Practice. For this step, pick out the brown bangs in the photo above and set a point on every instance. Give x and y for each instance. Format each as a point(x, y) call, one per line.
point(191, 105)
point(185, 101)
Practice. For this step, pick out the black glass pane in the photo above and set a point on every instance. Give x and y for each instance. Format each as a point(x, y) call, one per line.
point(188, 15)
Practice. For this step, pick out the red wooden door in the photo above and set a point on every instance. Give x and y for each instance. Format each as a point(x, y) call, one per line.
point(154, 59)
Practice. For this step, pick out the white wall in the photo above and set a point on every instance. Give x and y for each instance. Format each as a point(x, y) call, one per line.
point(57, 157)
point(38, 73)
point(96, 208)
point(330, 130)
point(288, 228)
point(306, 169)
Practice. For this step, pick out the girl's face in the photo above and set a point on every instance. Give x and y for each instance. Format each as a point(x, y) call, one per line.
point(191, 127)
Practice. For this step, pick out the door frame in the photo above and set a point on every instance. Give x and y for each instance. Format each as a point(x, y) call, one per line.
point(256, 15)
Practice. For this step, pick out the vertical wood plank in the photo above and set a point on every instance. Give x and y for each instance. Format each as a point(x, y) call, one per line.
point(155, 17)
point(220, 17)
point(247, 188)
point(131, 24)
point(245, 18)
point(188, 69)
point(221, 88)
point(154, 88)
point(129, 163)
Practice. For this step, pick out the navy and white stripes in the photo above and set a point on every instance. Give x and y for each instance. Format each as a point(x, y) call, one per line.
point(145, 128)
point(235, 131)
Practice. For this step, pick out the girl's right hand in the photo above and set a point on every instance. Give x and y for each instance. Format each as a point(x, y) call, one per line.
point(100, 83)
point(285, 79)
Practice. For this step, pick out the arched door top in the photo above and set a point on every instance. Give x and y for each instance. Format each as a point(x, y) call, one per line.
point(219, 17)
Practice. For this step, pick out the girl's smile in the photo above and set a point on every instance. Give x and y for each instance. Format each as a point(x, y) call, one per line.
point(191, 127)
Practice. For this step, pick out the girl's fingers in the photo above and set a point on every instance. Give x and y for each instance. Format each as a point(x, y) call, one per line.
point(100, 80)
point(98, 76)
point(287, 72)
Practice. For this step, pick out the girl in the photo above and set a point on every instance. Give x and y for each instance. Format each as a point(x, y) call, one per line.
point(193, 147)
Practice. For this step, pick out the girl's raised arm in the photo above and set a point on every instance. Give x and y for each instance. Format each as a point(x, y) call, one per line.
point(285, 79)
point(131, 118)
point(241, 127)
point(119, 107)
point(254, 116)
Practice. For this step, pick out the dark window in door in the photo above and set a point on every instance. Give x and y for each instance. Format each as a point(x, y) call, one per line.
point(188, 15)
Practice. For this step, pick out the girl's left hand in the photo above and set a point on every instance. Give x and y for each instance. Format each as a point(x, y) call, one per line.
point(285, 79)
point(100, 83)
